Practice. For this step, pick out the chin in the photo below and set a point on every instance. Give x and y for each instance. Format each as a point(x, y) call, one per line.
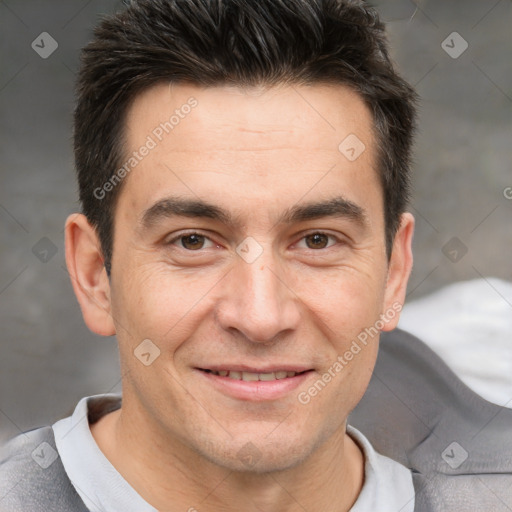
point(259, 456)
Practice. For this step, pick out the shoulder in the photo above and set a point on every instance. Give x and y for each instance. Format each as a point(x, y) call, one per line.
point(419, 413)
point(32, 478)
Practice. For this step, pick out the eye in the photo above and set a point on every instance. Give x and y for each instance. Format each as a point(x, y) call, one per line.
point(319, 240)
point(192, 241)
point(195, 241)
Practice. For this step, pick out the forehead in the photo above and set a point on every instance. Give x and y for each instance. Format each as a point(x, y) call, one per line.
point(319, 112)
point(257, 141)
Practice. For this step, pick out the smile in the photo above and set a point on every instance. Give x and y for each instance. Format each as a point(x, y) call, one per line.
point(255, 385)
point(251, 376)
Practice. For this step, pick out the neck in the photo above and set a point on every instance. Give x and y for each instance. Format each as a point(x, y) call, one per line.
point(172, 477)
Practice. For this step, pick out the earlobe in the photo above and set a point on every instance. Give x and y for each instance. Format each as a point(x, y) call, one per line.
point(89, 278)
point(399, 270)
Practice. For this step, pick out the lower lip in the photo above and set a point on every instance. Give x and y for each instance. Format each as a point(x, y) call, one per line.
point(255, 390)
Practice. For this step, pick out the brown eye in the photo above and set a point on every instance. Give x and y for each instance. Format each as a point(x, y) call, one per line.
point(317, 241)
point(193, 241)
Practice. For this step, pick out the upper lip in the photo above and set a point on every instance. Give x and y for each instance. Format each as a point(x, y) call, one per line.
point(254, 369)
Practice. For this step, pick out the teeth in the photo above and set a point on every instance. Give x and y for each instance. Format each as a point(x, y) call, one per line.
point(248, 376)
point(252, 377)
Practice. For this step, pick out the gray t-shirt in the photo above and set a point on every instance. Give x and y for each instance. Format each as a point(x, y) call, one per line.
point(388, 485)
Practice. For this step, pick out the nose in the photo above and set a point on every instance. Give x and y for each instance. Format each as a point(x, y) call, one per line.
point(257, 301)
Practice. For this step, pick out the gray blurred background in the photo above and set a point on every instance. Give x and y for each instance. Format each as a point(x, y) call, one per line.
point(462, 180)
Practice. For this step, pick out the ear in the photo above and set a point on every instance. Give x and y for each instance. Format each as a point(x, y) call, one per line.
point(91, 285)
point(399, 270)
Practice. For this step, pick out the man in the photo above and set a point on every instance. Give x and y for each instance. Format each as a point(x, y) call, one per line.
point(243, 170)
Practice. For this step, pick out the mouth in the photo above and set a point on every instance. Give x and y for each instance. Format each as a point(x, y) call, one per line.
point(255, 384)
point(254, 376)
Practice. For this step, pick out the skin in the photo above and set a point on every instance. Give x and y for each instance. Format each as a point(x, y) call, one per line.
point(255, 153)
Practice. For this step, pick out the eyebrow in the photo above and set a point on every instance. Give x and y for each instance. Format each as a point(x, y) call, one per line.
point(169, 207)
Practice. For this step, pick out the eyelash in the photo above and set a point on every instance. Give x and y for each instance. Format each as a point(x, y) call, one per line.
point(183, 235)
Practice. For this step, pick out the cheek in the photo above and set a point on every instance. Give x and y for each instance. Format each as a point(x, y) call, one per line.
point(154, 303)
point(345, 308)
point(346, 301)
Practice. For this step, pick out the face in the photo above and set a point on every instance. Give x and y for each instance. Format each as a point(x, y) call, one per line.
point(249, 250)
